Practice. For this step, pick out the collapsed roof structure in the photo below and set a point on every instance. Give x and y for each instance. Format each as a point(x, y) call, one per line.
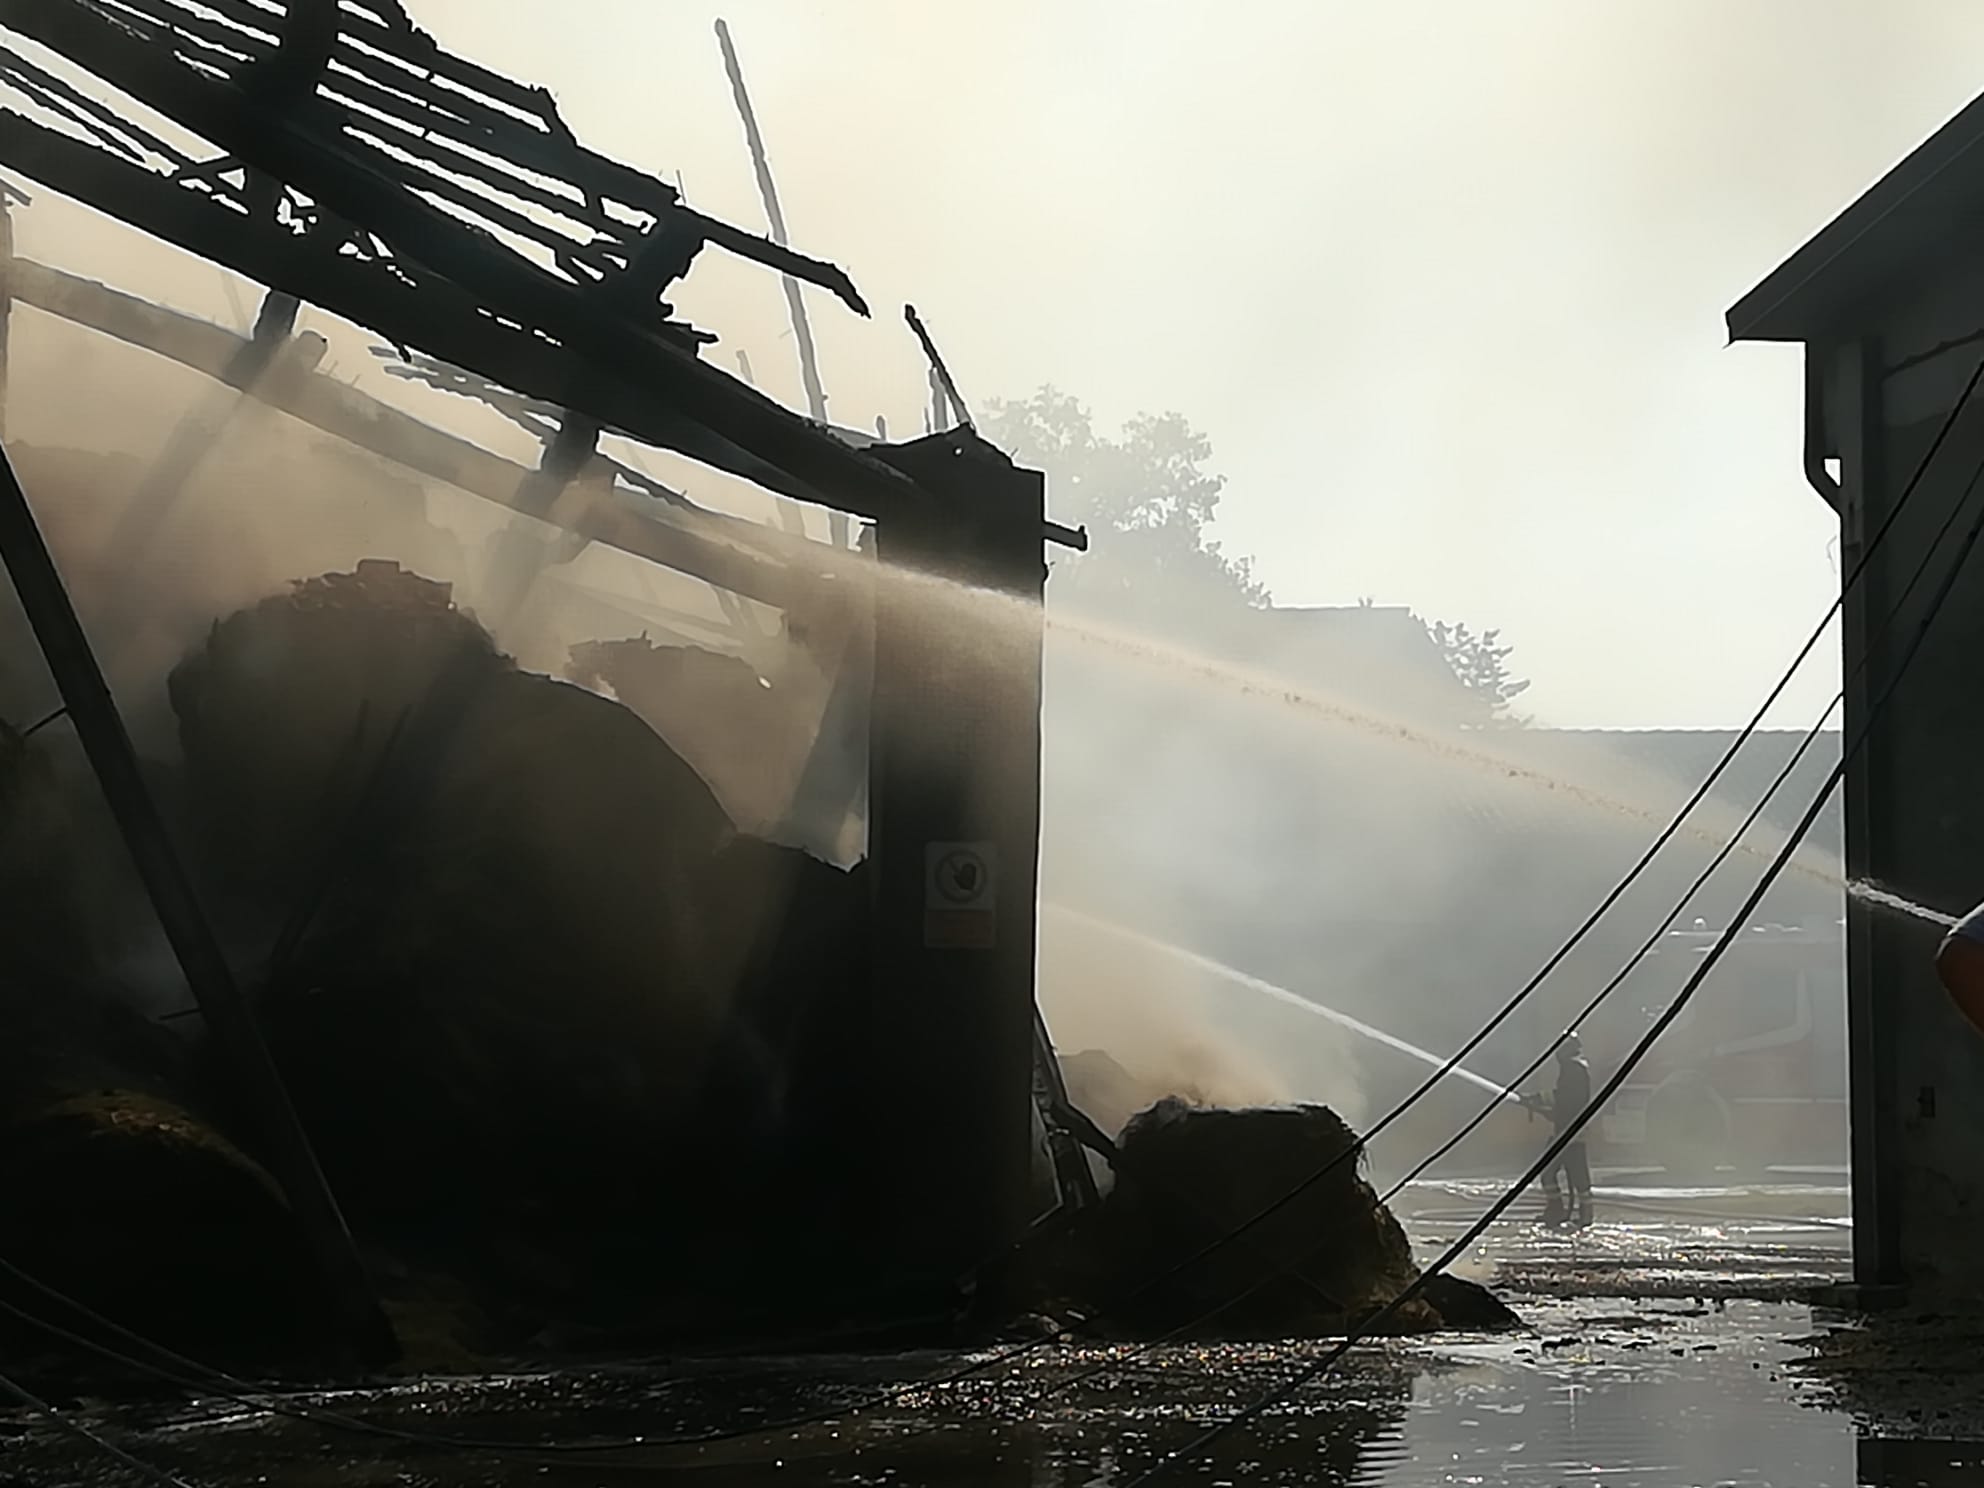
point(357, 165)
point(333, 152)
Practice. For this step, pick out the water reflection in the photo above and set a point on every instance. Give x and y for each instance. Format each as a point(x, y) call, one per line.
point(1656, 1394)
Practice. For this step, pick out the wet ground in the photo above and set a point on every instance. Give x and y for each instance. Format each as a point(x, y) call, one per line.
point(1650, 1360)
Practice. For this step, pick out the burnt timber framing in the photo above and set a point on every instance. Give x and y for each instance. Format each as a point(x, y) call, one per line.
point(376, 250)
point(726, 552)
point(350, 164)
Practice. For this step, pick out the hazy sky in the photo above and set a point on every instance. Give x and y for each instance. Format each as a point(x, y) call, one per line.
point(1441, 279)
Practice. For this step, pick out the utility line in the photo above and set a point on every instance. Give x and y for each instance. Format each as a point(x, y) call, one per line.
point(1853, 747)
point(1508, 1009)
point(1660, 1025)
point(1000, 1357)
point(1193, 1326)
point(21, 1395)
point(1355, 1149)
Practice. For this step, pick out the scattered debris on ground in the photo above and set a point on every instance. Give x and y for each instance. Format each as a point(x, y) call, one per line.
point(1916, 1371)
point(1702, 1271)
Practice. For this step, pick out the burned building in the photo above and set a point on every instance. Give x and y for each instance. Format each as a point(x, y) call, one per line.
point(341, 158)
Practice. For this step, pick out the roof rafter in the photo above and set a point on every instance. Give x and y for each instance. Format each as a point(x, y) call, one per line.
point(373, 245)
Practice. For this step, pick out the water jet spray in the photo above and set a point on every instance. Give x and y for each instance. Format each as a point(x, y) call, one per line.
point(1235, 977)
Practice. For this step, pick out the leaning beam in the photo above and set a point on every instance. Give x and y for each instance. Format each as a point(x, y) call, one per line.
point(105, 741)
point(802, 576)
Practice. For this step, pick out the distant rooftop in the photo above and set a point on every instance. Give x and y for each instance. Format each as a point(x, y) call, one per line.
point(1378, 655)
point(1687, 756)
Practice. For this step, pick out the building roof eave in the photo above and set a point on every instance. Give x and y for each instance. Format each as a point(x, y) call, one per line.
point(1914, 217)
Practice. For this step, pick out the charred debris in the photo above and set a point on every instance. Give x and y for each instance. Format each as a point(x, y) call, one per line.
point(569, 1046)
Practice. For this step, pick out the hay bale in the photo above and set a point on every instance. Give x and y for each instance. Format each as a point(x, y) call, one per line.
point(287, 710)
point(1188, 1175)
point(535, 977)
point(147, 1215)
point(702, 703)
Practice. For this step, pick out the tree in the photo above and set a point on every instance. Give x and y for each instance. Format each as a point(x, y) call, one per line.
point(1480, 661)
point(1147, 499)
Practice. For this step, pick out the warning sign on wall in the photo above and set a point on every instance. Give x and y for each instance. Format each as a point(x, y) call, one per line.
point(960, 895)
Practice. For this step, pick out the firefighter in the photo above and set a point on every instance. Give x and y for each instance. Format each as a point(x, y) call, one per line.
point(1960, 965)
point(1572, 1169)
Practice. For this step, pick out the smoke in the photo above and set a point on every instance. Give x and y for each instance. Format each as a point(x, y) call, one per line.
point(270, 502)
point(1150, 1015)
point(1411, 885)
point(1409, 876)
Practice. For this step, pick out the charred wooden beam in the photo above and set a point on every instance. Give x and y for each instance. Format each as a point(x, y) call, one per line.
point(777, 256)
point(724, 552)
point(62, 97)
point(7, 262)
point(445, 119)
point(623, 378)
point(940, 375)
point(290, 76)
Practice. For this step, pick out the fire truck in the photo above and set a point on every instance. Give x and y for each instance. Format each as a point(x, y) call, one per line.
point(1752, 1075)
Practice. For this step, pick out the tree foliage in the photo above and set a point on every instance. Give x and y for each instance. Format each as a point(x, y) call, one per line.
point(1148, 500)
point(1146, 497)
point(1481, 662)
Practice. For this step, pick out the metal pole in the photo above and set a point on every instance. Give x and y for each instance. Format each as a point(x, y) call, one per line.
point(98, 725)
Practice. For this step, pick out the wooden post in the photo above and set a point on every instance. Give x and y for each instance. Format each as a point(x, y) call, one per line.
point(100, 728)
point(6, 300)
point(795, 301)
point(954, 843)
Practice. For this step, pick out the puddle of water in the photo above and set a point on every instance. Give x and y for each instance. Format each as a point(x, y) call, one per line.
point(1657, 1395)
point(1666, 1391)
